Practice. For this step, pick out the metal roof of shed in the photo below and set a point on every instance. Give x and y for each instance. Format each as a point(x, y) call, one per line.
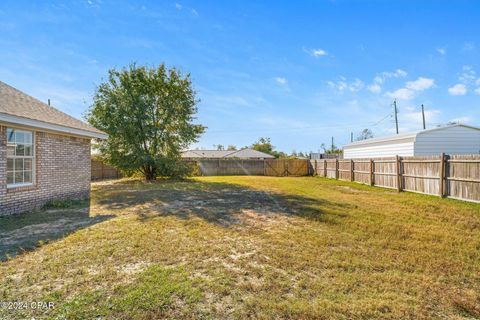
point(404, 136)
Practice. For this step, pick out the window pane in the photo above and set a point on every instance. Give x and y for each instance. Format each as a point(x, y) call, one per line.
point(27, 176)
point(9, 164)
point(10, 150)
point(19, 137)
point(27, 164)
point(20, 150)
point(18, 164)
point(28, 150)
point(9, 177)
point(28, 137)
point(18, 177)
point(10, 135)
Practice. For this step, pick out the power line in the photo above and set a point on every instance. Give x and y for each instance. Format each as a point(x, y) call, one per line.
point(276, 129)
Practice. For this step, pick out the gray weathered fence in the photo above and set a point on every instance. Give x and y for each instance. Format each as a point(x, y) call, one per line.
point(270, 167)
point(446, 176)
point(101, 171)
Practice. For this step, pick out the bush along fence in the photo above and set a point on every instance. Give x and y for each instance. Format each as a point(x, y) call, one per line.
point(102, 171)
point(455, 177)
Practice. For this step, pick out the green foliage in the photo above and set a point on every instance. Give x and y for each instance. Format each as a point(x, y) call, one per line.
point(65, 204)
point(231, 147)
point(333, 149)
point(218, 147)
point(265, 145)
point(148, 114)
point(365, 134)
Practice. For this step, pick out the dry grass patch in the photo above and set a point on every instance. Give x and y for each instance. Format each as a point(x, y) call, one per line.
point(258, 247)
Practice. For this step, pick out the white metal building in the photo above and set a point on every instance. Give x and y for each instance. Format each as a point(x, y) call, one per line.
point(452, 139)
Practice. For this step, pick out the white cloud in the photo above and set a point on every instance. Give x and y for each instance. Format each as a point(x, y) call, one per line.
point(477, 91)
point(468, 75)
point(319, 52)
point(399, 73)
point(178, 6)
point(316, 52)
point(411, 89)
point(194, 12)
point(356, 85)
point(375, 88)
point(457, 90)
point(420, 84)
point(281, 81)
point(442, 51)
point(415, 118)
point(343, 84)
point(401, 94)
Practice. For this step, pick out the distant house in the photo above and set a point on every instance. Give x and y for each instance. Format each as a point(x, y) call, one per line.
point(452, 139)
point(44, 153)
point(226, 154)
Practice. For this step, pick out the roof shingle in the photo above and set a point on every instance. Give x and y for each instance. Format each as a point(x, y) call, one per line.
point(16, 103)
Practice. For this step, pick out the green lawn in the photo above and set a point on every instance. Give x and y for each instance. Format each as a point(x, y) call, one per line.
point(245, 247)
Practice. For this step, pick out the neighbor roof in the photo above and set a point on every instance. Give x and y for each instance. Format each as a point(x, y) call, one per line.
point(219, 154)
point(19, 108)
point(408, 135)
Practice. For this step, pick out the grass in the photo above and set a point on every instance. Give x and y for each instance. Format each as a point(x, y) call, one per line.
point(247, 247)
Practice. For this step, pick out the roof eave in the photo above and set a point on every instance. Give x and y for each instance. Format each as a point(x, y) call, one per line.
point(15, 120)
point(379, 140)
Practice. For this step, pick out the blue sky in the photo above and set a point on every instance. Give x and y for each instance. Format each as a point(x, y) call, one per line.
point(297, 72)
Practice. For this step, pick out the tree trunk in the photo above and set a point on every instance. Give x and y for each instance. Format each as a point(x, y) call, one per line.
point(150, 174)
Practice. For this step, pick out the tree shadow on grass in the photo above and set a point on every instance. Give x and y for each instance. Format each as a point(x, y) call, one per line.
point(219, 203)
point(24, 232)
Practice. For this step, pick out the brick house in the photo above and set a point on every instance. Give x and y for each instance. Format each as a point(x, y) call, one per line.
point(44, 153)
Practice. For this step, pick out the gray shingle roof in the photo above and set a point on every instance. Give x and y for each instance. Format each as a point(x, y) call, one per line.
point(225, 154)
point(16, 103)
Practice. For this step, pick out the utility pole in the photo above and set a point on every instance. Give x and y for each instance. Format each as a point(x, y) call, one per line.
point(333, 145)
point(395, 111)
point(423, 116)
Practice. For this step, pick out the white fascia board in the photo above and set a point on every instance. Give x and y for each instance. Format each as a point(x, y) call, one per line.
point(14, 120)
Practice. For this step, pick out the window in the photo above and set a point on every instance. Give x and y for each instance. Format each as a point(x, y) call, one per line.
point(20, 157)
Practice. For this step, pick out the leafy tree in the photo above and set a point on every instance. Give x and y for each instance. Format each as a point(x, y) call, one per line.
point(219, 146)
point(231, 147)
point(148, 114)
point(365, 134)
point(333, 149)
point(264, 145)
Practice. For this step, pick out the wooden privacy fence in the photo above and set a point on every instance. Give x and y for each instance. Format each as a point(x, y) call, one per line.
point(446, 176)
point(271, 167)
point(101, 171)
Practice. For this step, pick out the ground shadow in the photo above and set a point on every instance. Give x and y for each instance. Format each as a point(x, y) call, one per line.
point(24, 232)
point(220, 203)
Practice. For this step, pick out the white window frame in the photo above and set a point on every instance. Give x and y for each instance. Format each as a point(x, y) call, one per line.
point(32, 157)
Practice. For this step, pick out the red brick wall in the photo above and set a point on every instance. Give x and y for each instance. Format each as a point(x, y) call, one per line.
point(62, 172)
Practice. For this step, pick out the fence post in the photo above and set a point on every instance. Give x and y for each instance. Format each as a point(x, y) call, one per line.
point(264, 167)
point(325, 168)
point(399, 175)
point(442, 175)
point(337, 173)
point(371, 173)
point(315, 169)
point(351, 170)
